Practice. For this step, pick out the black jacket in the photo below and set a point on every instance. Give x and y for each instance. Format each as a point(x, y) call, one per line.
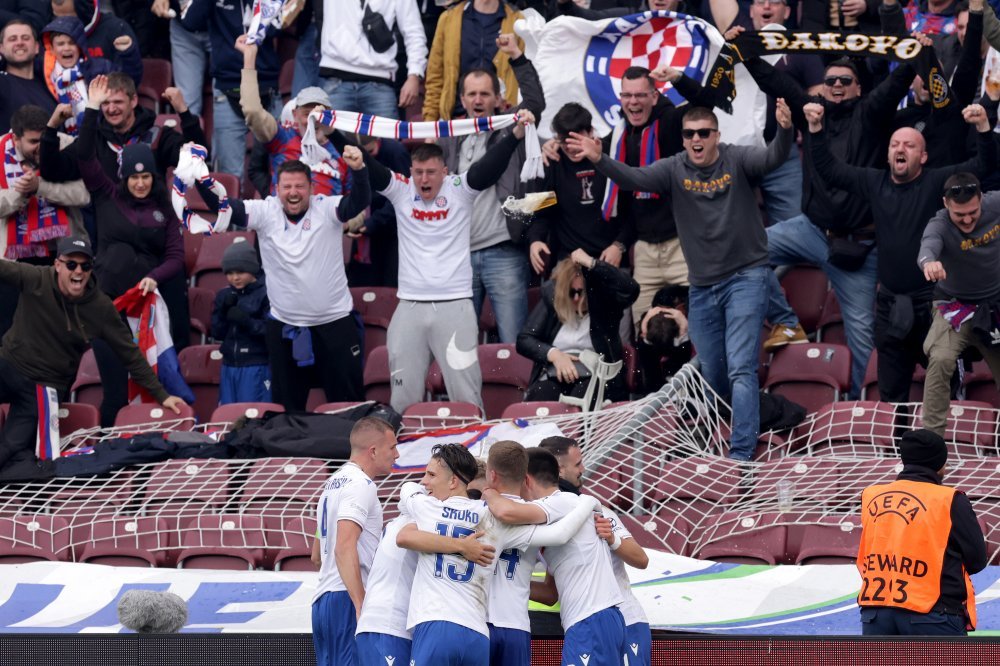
point(609, 291)
point(242, 335)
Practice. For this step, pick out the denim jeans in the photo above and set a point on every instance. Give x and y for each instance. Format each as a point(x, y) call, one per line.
point(799, 241)
point(229, 136)
point(362, 97)
point(725, 321)
point(501, 272)
point(886, 621)
point(782, 189)
point(189, 56)
point(306, 72)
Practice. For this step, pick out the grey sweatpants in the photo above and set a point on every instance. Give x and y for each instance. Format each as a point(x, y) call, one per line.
point(447, 331)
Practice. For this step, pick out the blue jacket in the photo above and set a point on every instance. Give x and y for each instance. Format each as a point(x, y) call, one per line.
point(102, 30)
point(128, 61)
point(242, 343)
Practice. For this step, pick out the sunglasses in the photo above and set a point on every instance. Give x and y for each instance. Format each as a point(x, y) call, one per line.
point(844, 80)
point(702, 132)
point(961, 191)
point(573, 293)
point(85, 266)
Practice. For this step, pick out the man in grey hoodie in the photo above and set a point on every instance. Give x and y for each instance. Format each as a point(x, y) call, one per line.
point(710, 187)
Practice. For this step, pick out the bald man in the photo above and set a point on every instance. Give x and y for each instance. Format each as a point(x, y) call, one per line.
point(902, 200)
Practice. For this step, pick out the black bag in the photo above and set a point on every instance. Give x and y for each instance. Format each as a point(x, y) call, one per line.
point(848, 255)
point(376, 31)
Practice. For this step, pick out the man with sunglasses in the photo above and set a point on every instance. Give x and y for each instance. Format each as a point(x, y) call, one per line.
point(902, 199)
point(960, 252)
point(62, 313)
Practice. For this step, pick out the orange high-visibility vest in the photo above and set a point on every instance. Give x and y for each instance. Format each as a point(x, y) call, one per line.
point(904, 533)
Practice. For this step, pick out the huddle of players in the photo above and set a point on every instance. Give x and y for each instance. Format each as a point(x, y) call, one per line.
point(450, 580)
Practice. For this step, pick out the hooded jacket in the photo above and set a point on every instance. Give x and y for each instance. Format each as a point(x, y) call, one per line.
point(128, 61)
point(242, 342)
point(50, 332)
point(102, 29)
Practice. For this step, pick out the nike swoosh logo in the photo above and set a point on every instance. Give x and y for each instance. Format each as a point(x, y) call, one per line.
point(459, 359)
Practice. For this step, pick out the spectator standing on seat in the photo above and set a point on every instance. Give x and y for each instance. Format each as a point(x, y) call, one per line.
point(466, 41)
point(710, 189)
point(139, 237)
point(917, 520)
point(239, 321)
point(902, 200)
point(61, 314)
point(960, 251)
point(358, 74)
point(499, 267)
point(580, 310)
point(23, 81)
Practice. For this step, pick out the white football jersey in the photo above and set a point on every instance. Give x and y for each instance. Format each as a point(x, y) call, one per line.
point(510, 586)
point(631, 608)
point(581, 567)
point(387, 594)
point(435, 261)
point(348, 495)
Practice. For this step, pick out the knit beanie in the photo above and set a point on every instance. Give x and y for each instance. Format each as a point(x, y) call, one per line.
point(924, 448)
point(137, 158)
point(240, 257)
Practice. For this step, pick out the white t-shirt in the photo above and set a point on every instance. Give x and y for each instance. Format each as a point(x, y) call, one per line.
point(449, 588)
point(434, 257)
point(304, 261)
point(631, 608)
point(348, 495)
point(387, 593)
point(581, 567)
point(511, 585)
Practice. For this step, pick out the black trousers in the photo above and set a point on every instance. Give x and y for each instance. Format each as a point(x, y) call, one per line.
point(17, 439)
point(337, 352)
point(898, 357)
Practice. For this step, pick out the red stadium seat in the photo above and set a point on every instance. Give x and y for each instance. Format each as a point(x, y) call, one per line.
point(274, 479)
point(237, 410)
point(744, 537)
point(977, 478)
point(157, 76)
point(285, 78)
point(376, 375)
point(810, 478)
point(200, 304)
point(810, 374)
point(853, 428)
point(149, 412)
point(229, 541)
point(830, 327)
point(228, 181)
point(653, 531)
point(207, 272)
point(295, 548)
point(834, 541)
point(376, 306)
point(971, 429)
point(178, 489)
point(853, 476)
point(77, 416)
point(695, 487)
point(33, 538)
point(537, 409)
point(505, 377)
point(440, 415)
point(869, 389)
point(980, 385)
point(805, 289)
point(192, 246)
point(87, 387)
point(125, 541)
point(201, 367)
point(488, 322)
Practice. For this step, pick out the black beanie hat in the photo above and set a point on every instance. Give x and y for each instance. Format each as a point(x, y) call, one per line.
point(924, 448)
point(137, 158)
point(240, 257)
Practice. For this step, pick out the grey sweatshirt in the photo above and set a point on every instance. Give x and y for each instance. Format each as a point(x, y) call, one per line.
point(971, 261)
point(718, 222)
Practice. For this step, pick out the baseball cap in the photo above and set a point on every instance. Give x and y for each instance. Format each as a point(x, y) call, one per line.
point(313, 95)
point(74, 245)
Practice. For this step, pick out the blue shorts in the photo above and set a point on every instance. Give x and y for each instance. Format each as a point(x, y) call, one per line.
point(381, 649)
point(334, 623)
point(509, 647)
point(639, 642)
point(601, 636)
point(448, 644)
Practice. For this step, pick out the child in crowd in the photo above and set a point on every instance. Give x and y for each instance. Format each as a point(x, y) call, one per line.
point(238, 323)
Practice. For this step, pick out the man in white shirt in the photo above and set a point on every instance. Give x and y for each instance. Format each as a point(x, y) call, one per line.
point(349, 518)
point(435, 317)
point(588, 592)
point(302, 252)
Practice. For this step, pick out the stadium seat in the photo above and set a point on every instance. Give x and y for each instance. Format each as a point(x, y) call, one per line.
point(196, 203)
point(488, 322)
point(200, 304)
point(971, 431)
point(810, 374)
point(851, 428)
point(178, 489)
point(830, 327)
point(869, 388)
point(228, 541)
point(835, 540)
point(272, 480)
point(695, 487)
point(87, 387)
point(192, 245)
point(376, 375)
point(237, 410)
point(980, 385)
point(670, 533)
point(441, 415)
point(805, 289)
point(376, 306)
point(810, 479)
point(853, 476)
point(505, 377)
point(207, 272)
point(201, 367)
point(744, 537)
point(977, 479)
point(77, 416)
point(285, 80)
point(294, 551)
point(145, 413)
point(633, 378)
point(157, 76)
point(33, 538)
point(124, 541)
point(537, 409)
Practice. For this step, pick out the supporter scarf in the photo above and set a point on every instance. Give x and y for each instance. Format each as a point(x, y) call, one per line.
point(118, 150)
point(649, 144)
point(31, 228)
point(390, 128)
point(957, 313)
point(191, 168)
point(70, 89)
point(892, 47)
point(47, 434)
point(265, 14)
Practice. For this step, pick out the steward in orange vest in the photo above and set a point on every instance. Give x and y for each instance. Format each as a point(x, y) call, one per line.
point(920, 541)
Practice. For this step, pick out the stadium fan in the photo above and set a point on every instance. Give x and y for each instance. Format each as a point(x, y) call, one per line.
point(902, 200)
point(580, 310)
point(662, 341)
point(349, 519)
point(189, 53)
point(23, 81)
point(725, 244)
point(103, 29)
point(960, 251)
point(41, 352)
